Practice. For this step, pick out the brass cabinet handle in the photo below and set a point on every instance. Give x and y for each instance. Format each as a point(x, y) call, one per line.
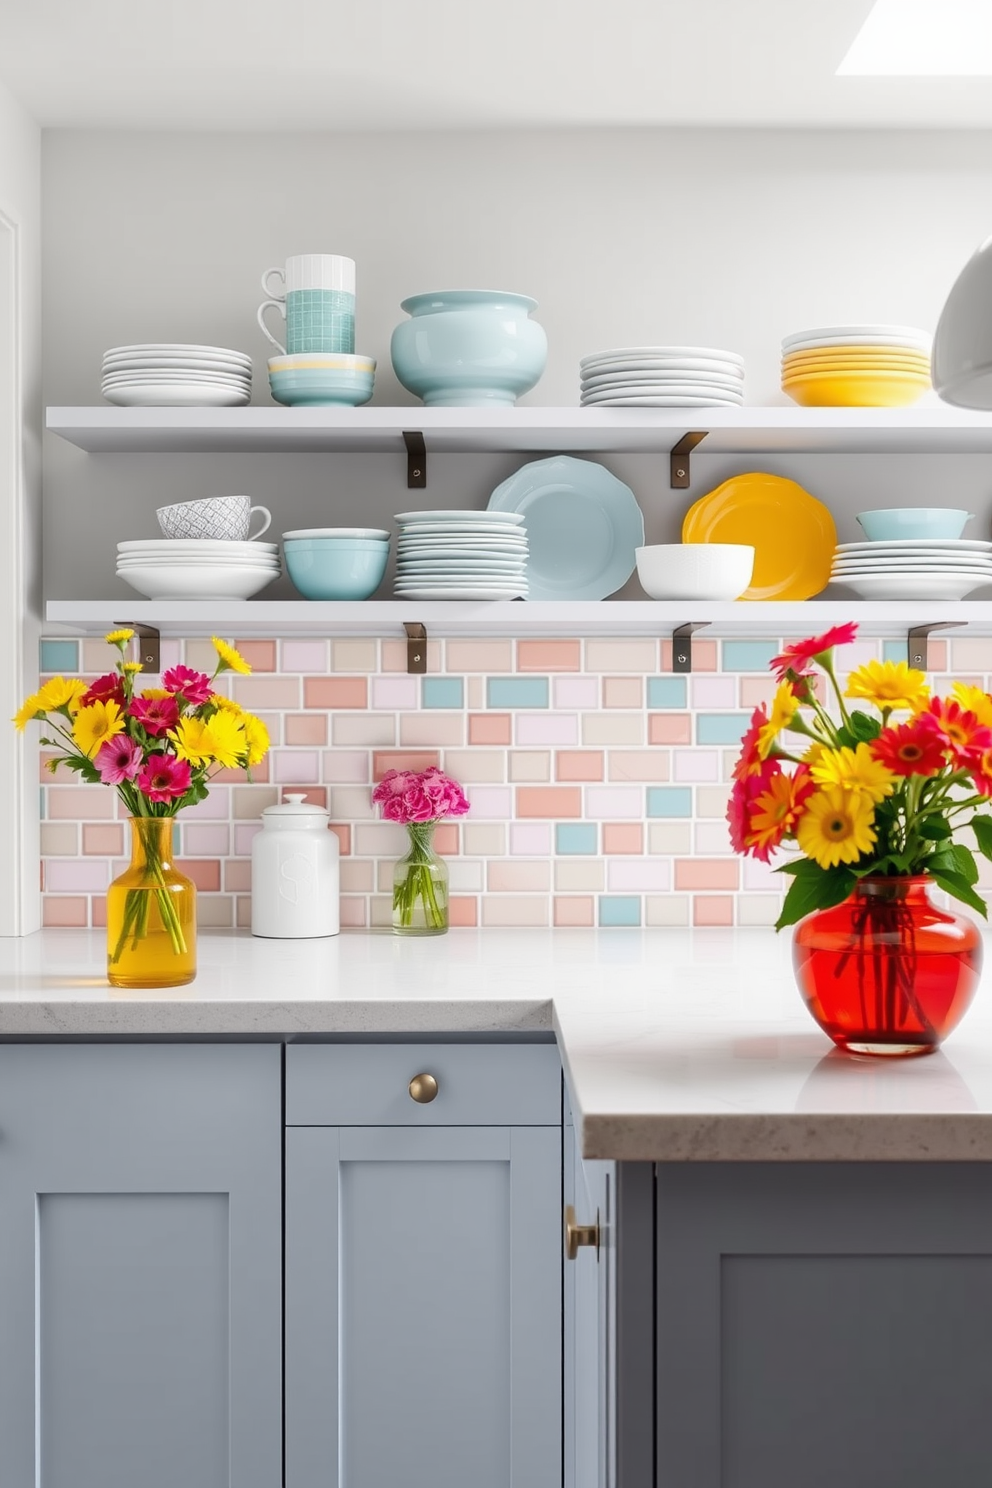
point(423, 1089)
point(576, 1234)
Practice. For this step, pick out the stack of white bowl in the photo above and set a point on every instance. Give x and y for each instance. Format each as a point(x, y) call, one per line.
point(461, 555)
point(163, 374)
point(197, 568)
point(662, 377)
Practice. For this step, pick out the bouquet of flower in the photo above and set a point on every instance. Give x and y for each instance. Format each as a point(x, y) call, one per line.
point(156, 747)
point(866, 795)
point(418, 800)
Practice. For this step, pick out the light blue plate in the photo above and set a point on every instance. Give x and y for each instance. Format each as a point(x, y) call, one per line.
point(583, 526)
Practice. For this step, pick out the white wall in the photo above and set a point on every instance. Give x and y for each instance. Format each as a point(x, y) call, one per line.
point(20, 505)
point(726, 238)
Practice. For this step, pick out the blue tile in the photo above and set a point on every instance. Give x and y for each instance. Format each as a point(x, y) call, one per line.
point(666, 692)
point(442, 692)
point(748, 656)
point(60, 656)
point(721, 728)
point(517, 692)
point(669, 800)
point(893, 650)
point(619, 909)
point(576, 837)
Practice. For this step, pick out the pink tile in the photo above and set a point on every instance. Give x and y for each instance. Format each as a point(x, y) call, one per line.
point(98, 904)
point(623, 692)
point(574, 909)
point(237, 876)
point(170, 653)
point(575, 692)
point(259, 774)
point(638, 764)
point(547, 728)
point(759, 875)
point(400, 759)
point(695, 764)
point(712, 837)
point(353, 913)
point(260, 655)
point(296, 766)
point(258, 693)
point(700, 873)
point(756, 691)
point(618, 801)
point(549, 656)
point(335, 692)
point(313, 795)
point(216, 807)
point(516, 909)
point(77, 875)
point(463, 912)
point(490, 728)
point(638, 875)
point(103, 841)
point(342, 832)
point(347, 766)
point(669, 728)
point(479, 656)
point(490, 802)
point(205, 840)
point(80, 803)
point(205, 873)
point(520, 877)
point(304, 656)
point(554, 802)
point(704, 656)
point(714, 692)
point(65, 913)
point(398, 693)
point(446, 839)
point(530, 839)
point(712, 909)
point(623, 837)
point(579, 764)
point(306, 728)
point(244, 833)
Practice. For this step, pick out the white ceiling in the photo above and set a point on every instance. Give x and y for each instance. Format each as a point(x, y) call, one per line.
point(426, 64)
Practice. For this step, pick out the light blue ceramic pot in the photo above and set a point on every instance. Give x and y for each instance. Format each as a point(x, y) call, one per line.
point(469, 348)
point(888, 524)
point(351, 569)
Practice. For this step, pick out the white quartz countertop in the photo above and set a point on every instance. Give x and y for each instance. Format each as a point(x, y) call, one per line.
point(677, 1044)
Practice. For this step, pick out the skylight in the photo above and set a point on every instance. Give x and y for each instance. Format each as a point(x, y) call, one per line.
point(923, 38)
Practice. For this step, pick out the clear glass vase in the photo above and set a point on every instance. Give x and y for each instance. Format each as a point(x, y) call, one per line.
point(420, 886)
point(151, 913)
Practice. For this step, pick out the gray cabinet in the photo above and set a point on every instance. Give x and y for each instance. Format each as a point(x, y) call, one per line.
point(140, 1266)
point(590, 1318)
point(423, 1268)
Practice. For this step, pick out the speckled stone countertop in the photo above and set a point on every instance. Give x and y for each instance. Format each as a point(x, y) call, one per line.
point(678, 1045)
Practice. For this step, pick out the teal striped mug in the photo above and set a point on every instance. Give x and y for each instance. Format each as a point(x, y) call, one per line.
point(317, 302)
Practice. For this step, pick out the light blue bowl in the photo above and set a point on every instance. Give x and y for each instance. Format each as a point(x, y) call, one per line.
point(889, 524)
point(338, 572)
point(469, 348)
point(321, 387)
point(334, 544)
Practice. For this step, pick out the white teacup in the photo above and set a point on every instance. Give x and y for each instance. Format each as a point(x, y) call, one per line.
point(227, 518)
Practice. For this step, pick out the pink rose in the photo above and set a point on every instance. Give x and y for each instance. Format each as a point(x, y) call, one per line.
point(393, 783)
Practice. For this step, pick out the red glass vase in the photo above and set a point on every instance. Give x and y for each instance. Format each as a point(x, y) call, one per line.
point(887, 972)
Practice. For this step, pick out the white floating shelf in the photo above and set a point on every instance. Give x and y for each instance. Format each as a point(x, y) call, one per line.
point(934, 429)
point(248, 619)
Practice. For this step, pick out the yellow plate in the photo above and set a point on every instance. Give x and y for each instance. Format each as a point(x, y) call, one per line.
point(792, 533)
point(830, 390)
point(845, 354)
point(858, 364)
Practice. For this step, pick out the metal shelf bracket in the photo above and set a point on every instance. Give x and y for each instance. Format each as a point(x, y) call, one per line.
point(416, 460)
point(682, 644)
point(680, 471)
point(917, 642)
point(416, 647)
point(149, 644)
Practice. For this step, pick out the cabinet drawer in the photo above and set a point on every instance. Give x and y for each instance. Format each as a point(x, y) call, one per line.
point(369, 1085)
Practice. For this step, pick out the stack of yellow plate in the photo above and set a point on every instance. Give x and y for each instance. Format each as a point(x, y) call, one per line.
point(856, 366)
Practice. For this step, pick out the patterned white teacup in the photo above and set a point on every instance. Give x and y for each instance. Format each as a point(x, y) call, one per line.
point(317, 302)
point(227, 518)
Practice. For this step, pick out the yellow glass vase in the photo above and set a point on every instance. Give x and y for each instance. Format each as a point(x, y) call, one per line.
point(151, 913)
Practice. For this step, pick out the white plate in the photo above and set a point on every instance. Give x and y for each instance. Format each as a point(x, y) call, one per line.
point(177, 364)
point(673, 389)
point(662, 353)
point(911, 568)
point(659, 379)
point(452, 532)
point(176, 395)
point(156, 582)
point(912, 560)
point(660, 364)
point(875, 335)
point(939, 545)
point(475, 592)
point(139, 562)
point(178, 348)
point(662, 402)
point(197, 545)
point(201, 379)
point(914, 586)
point(486, 518)
point(460, 565)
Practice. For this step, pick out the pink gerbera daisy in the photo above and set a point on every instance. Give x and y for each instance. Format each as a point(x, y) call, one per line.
point(164, 777)
point(195, 686)
point(156, 715)
point(118, 760)
point(801, 654)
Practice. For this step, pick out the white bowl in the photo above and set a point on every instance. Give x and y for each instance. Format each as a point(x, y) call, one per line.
point(695, 570)
point(158, 581)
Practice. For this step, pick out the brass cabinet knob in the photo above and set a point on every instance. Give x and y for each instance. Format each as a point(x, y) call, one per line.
point(576, 1234)
point(423, 1089)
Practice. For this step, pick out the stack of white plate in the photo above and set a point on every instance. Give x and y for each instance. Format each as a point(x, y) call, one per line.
point(197, 568)
point(662, 377)
point(913, 568)
point(162, 374)
point(461, 555)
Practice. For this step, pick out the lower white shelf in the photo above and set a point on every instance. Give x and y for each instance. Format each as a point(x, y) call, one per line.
point(259, 618)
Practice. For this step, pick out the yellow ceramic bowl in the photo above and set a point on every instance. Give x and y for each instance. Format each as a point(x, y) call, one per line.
point(857, 364)
point(859, 353)
point(855, 389)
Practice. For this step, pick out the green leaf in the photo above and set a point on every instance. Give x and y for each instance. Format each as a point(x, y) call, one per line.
point(935, 828)
point(819, 889)
point(794, 866)
point(863, 727)
point(954, 857)
point(982, 828)
point(959, 888)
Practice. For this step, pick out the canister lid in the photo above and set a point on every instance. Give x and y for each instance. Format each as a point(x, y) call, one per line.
point(295, 810)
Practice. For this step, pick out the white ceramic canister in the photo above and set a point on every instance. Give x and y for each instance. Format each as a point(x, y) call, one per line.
point(295, 875)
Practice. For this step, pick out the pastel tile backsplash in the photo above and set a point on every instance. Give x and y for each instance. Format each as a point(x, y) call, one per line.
point(598, 780)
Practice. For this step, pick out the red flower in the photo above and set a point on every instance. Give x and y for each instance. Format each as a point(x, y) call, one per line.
point(164, 777)
point(914, 748)
point(775, 809)
point(964, 738)
point(740, 808)
point(156, 715)
point(749, 761)
point(195, 686)
point(109, 687)
point(798, 657)
point(981, 773)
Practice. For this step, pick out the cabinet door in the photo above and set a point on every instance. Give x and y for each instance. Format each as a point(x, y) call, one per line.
point(140, 1266)
point(590, 1332)
point(423, 1307)
point(824, 1323)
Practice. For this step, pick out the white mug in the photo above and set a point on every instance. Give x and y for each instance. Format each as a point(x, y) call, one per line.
point(221, 518)
point(317, 301)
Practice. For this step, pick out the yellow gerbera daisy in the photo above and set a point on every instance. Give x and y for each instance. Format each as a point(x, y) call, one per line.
point(193, 742)
point(889, 684)
point(95, 724)
point(227, 739)
point(131, 667)
point(61, 692)
point(257, 736)
point(226, 704)
point(854, 770)
point(784, 706)
point(836, 826)
point(30, 708)
point(230, 659)
point(118, 637)
point(155, 693)
point(974, 700)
